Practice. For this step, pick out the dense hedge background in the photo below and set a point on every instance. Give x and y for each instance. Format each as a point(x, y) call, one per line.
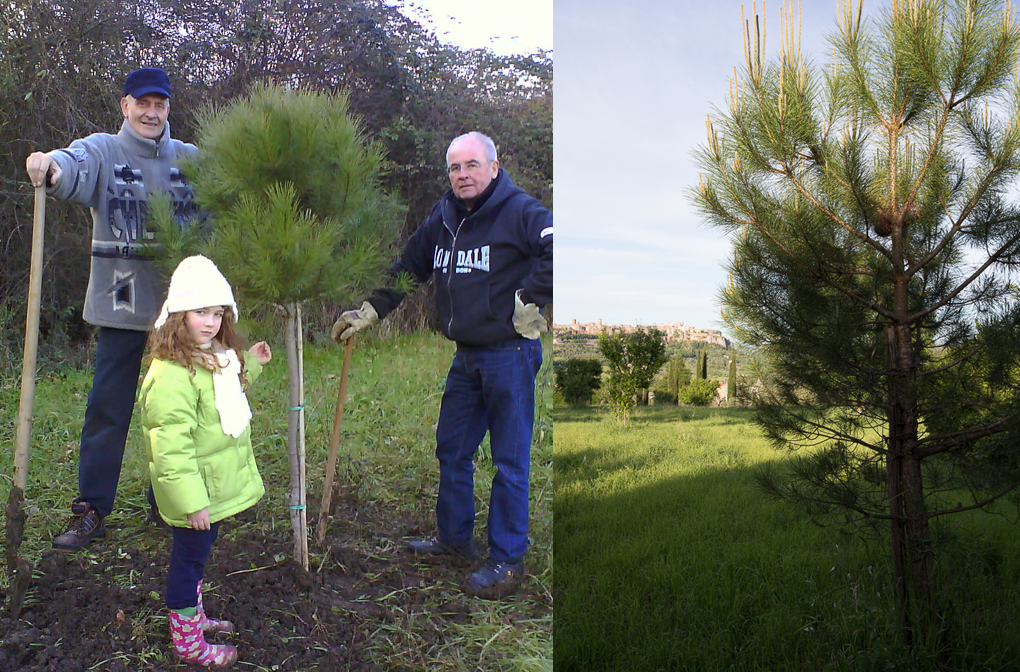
point(62, 65)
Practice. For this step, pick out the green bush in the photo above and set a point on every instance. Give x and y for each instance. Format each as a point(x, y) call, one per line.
point(664, 396)
point(577, 379)
point(699, 392)
point(622, 395)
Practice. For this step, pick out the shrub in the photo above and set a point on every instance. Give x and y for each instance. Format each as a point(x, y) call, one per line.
point(664, 396)
point(699, 392)
point(577, 379)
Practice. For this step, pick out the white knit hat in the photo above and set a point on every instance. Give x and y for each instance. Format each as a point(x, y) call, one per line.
point(196, 283)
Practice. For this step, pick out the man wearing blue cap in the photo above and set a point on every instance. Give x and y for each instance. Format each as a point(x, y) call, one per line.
point(114, 175)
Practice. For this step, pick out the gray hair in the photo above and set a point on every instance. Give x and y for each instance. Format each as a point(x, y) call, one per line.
point(488, 146)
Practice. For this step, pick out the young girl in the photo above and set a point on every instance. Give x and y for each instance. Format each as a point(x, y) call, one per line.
point(195, 415)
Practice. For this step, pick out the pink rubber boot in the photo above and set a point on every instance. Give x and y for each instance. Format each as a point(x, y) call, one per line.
point(191, 647)
point(211, 624)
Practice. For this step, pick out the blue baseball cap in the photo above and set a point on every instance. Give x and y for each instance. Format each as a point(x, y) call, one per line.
point(145, 81)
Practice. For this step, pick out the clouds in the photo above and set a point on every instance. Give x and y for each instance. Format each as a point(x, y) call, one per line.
point(634, 82)
point(639, 277)
point(505, 26)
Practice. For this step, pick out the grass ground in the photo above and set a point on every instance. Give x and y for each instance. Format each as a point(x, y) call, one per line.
point(669, 557)
point(387, 473)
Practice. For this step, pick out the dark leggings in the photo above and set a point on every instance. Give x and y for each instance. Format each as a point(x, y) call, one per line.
point(187, 565)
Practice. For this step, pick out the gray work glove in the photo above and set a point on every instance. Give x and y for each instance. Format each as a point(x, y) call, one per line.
point(352, 321)
point(528, 320)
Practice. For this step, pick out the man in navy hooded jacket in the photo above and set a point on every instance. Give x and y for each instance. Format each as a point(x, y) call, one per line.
point(490, 247)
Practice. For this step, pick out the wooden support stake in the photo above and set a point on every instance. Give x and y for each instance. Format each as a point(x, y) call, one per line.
point(334, 444)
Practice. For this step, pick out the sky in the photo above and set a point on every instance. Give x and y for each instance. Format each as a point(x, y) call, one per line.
point(504, 26)
point(633, 83)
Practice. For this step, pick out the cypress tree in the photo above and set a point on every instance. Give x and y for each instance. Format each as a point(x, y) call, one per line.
point(683, 374)
point(731, 383)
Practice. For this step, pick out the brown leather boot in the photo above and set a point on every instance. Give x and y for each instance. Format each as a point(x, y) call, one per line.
point(85, 526)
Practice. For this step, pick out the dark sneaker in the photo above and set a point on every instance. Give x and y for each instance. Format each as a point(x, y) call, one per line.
point(437, 550)
point(85, 526)
point(495, 580)
point(155, 518)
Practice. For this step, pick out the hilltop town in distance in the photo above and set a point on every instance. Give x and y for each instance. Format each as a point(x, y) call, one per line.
point(676, 332)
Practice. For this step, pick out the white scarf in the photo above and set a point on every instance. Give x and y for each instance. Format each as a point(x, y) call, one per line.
point(231, 403)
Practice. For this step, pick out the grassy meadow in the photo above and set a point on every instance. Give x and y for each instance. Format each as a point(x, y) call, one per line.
point(387, 463)
point(669, 557)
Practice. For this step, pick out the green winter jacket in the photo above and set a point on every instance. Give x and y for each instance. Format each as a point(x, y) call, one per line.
point(193, 464)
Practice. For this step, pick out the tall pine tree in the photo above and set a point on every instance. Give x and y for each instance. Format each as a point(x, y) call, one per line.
point(875, 234)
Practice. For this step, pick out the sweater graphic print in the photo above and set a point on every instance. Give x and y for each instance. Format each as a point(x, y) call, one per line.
point(476, 259)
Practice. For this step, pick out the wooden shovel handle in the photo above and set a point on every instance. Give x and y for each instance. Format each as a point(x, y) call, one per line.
point(24, 426)
point(334, 444)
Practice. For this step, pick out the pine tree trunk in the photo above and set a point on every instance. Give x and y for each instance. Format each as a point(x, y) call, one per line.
point(894, 484)
point(295, 436)
point(913, 559)
point(300, 337)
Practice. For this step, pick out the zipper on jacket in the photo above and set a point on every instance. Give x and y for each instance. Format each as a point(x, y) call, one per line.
point(449, 279)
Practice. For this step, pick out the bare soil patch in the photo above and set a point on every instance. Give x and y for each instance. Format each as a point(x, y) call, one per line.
point(102, 609)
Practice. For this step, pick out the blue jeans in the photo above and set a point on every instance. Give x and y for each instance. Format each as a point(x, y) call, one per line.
point(488, 388)
point(188, 554)
point(108, 415)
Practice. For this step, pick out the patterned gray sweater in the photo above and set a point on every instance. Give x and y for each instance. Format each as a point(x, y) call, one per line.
point(113, 175)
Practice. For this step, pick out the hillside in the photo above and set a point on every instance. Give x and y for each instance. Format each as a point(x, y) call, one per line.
point(579, 340)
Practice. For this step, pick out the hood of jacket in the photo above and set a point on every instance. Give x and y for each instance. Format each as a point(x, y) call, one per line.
point(488, 202)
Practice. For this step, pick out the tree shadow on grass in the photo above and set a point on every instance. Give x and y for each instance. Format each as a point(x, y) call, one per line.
point(662, 570)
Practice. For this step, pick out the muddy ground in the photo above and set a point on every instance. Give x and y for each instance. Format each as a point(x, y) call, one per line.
point(102, 609)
